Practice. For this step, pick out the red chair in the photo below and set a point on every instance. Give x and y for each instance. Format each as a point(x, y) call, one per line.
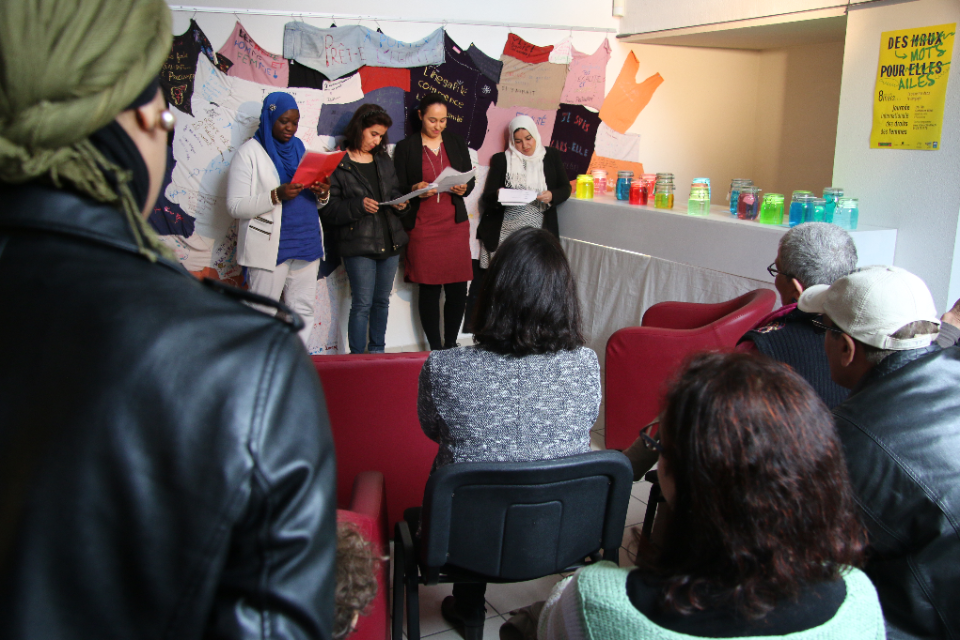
point(367, 511)
point(372, 403)
point(640, 360)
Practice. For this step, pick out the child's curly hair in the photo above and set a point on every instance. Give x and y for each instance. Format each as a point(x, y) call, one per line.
point(356, 578)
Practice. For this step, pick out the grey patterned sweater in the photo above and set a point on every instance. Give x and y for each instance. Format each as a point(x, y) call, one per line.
point(482, 406)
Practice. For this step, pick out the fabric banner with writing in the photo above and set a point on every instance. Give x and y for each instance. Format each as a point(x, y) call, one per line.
point(517, 47)
point(627, 98)
point(252, 62)
point(335, 117)
point(373, 78)
point(587, 78)
point(616, 145)
point(537, 86)
point(490, 67)
point(344, 90)
point(178, 72)
point(468, 92)
point(497, 121)
point(573, 136)
point(227, 113)
point(341, 50)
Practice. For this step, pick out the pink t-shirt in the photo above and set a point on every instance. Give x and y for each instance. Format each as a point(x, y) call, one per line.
point(586, 81)
point(251, 62)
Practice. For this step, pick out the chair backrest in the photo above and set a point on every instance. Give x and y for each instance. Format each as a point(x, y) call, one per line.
point(517, 521)
point(372, 403)
point(641, 360)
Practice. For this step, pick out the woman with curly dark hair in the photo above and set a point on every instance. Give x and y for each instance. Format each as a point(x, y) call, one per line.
point(528, 390)
point(764, 536)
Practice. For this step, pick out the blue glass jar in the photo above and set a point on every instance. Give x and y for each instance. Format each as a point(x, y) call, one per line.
point(831, 195)
point(624, 178)
point(798, 206)
point(847, 214)
point(816, 210)
point(734, 196)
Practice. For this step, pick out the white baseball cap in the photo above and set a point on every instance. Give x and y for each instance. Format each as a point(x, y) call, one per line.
point(872, 303)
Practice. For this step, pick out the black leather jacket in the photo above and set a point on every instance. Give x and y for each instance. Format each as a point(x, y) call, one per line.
point(166, 464)
point(358, 233)
point(901, 433)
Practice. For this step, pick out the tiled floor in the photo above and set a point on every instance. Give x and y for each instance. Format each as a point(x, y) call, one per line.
point(503, 598)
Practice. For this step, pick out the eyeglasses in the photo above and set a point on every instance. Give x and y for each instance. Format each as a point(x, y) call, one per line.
point(822, 328)
point(648, 440)
point(773, 271)
point(167, 120)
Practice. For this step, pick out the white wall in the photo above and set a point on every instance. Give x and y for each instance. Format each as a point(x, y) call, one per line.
point(917, 192)
point(645, 16)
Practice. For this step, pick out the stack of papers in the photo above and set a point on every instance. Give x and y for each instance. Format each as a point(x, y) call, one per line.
point(514, 197)
point(447, 179)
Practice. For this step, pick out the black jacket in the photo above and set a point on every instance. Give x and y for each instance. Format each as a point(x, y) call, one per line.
point(356, 232)
point(408, 160)
point(557, 183)
point(166, 464)
point(900, 430)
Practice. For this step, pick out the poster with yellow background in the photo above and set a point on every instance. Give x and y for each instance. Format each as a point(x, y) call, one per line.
point(911, 87)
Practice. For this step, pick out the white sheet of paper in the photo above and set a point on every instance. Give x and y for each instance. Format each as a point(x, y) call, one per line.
point(412, 194)
point(450, 177)
point(516, 196)
point(616, 145)
point(343, 91)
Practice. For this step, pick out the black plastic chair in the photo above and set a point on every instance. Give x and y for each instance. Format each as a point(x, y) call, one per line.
point(502, 522)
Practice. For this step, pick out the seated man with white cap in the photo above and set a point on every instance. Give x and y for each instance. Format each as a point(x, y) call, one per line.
point(900, 429)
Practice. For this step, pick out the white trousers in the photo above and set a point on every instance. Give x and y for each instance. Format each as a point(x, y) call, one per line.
point(297, 281)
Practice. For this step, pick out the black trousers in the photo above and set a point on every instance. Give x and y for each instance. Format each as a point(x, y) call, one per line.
point(429, 305)
point(475, 286)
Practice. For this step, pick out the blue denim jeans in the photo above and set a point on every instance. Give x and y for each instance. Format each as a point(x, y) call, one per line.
point(370, 284)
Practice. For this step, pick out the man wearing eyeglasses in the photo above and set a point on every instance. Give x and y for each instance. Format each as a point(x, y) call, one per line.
point(809, 254)
point(900, 428)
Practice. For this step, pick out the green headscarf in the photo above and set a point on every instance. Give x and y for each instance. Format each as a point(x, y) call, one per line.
point(67, 68)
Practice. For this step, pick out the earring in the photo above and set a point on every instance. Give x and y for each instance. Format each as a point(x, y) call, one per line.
point(167, 120)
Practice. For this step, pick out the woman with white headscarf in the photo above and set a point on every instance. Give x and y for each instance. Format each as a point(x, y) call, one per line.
point(526, 164)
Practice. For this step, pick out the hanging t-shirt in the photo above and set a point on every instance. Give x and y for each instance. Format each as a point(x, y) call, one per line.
point(373, 78)
point(490, 67)
point(341, 50)
point(467, 90)
point(179, 71)
point(252, 62)
point(169, 218)
point(573, 136)
point(562, 52)
point(587, 79)
point(495, 140)
point(517, 47)
point(627, 98)
point(303, 76)
point(537, 86)
point(335, 117)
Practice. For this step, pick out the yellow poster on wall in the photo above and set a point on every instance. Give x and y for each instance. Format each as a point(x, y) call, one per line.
point(911, 87)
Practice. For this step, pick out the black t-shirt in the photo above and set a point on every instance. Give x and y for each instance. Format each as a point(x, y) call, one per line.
point(817, 604)
point(180, 69)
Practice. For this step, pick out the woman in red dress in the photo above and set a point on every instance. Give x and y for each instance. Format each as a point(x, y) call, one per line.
point(438, 256)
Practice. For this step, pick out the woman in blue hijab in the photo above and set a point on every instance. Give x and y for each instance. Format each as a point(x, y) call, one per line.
point(279, 241)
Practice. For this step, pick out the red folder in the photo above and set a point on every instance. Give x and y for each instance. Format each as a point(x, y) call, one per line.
point(316, 167)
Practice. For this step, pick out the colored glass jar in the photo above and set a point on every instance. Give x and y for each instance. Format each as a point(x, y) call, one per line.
point(703, 181)
point(624, 178)
point(831, 195)
point(599, 182)
point(663, 195)
point(847, 214)
point(771, 209)
point(699, 202)
point(798, 206)
point(734, 196)
point(748, 203)
point(815, 210)
point(584, 187)
point(650, 182)
point(638, 194)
